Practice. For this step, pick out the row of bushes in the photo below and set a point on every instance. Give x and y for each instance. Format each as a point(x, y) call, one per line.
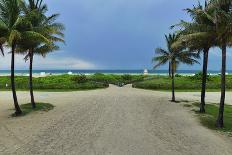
point(51, 82)
point(75, 82)
point(98, 80)
point(116, 79)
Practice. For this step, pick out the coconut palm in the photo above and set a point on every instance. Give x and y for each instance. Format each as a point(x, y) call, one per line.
point(11, 30)
point(47, 27)
point(174, 57)
point(198, 35)
point(14, 28)
point(221, 16)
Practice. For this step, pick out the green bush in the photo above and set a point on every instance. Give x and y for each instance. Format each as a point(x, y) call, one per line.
point(178, 75)
point(80, 78)
point(127, 77)
point(199, 76)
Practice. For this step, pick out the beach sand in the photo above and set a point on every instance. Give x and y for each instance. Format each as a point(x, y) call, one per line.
point(112, 121)
point(211, 97)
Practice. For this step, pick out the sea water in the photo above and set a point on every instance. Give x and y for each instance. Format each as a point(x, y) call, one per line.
point(89, 72)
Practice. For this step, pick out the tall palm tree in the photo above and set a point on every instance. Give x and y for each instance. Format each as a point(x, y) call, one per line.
point(11, 29)
point(14, 28)
point(174, 57)
point(198, 35)
point(221, 16)
point(35, 12)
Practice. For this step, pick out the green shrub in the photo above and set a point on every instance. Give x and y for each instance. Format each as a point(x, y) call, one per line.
point(61, 82)
point(178, 75)
point(199, 76)
point(80, 78)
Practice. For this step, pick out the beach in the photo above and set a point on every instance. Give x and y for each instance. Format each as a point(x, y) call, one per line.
point(114, 121)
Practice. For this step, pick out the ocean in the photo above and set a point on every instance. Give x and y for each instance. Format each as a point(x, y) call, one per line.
point(59, 72)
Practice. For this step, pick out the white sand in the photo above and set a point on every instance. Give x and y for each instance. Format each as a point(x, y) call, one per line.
point(211, 97)
point(113, 121)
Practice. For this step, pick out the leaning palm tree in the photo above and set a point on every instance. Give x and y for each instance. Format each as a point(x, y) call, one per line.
point(174, 57)
point(198, 35)
point(47, 27)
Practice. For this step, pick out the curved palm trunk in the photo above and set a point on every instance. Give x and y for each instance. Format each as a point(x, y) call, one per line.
point(204, 78)
point(18, 111)
point(220, 120)
point(31, 55)
point(173, 83)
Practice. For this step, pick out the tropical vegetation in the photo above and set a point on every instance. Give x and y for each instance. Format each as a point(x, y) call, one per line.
point(174, 56)
point(210, 27)
point(25, 28)
point(198, 35)
point(70, 82)
point(184, 83)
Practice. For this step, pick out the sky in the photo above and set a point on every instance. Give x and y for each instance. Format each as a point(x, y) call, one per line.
point(113, 34)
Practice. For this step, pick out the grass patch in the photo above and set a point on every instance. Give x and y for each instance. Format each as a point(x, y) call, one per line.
point(183, 84)
point(187, 105)
point(27, 108)
point(209, 118)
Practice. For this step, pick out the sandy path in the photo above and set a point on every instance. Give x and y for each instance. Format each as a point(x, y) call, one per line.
point(211, 97)
point(114, 121)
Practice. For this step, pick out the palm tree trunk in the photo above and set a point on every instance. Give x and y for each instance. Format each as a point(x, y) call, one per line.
point(169, 69)
point(18, 111)
point(204, 78)
point(31, 55)
point(173, 83)
point(220, 120)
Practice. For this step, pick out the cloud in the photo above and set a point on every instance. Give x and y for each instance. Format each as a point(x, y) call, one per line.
point(118, 33)
point(63, 63)
point(50, 62)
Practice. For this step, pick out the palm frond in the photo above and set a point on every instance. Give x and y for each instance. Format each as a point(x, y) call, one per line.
point(14, 37)
point(161, 51)
point(160, 60)
point(34, 36)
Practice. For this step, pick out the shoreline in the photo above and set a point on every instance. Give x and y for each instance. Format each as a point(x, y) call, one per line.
point(45, 74)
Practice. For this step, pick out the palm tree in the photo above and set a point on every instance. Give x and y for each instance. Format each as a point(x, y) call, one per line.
point(174, 57)
point(45, 26)
point(11, 29)
point(198, 35)
point(221, 16)
point(14, 29)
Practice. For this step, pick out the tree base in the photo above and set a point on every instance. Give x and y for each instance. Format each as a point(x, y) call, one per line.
point(202, 111)
point(220, 124)
point(173, 101)
point(17, 114)
point(34, 106)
